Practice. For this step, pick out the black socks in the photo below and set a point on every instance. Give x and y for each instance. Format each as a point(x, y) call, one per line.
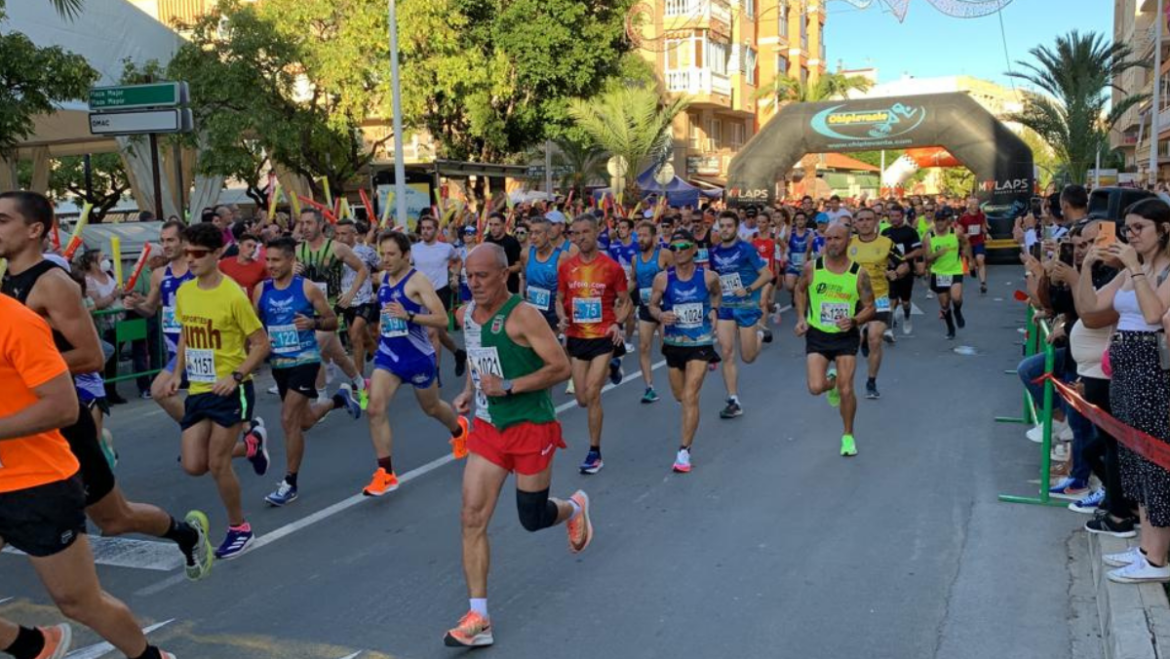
point(182, 534)
point(386, 464)
point(291, 479)
point(28, 644)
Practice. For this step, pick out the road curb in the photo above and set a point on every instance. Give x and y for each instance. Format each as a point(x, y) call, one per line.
point(1135, 620)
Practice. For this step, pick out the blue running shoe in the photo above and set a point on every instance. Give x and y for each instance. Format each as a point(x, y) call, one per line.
point(284, 495)
point(256, 444)
point(234, 544)
point(593, 463)
point(1089, 504)
point(1070, 489)
point(616, 374)
point(650, 396)
point(353, 403)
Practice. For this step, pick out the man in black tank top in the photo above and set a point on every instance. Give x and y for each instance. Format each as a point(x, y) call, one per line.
point(47, 290)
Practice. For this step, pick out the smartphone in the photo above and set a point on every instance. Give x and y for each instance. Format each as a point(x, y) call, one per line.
point(1034, 250)
point(1107, 234)
point(1066, 253)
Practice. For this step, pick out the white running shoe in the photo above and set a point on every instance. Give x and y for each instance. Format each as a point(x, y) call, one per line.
point(1122, 558)
point(907, 327)
point(274, 390)
point(682, 462)
point(1140, 571)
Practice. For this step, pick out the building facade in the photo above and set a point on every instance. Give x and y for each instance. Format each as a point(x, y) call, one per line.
point(1133, 24)
point(719, 53)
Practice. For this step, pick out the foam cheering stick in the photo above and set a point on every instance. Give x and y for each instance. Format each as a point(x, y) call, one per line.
point(138, 266)
point(116, 255)
point(3, 266)
point(324, 181)
point(272, 197)
point(75, 239)
point(366, 202)
point(386, 211)
point(325, 210)
point(56, 236)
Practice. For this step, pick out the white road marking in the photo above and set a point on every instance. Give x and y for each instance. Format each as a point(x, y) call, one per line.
point(354, 655)
point(915, 311)
point(5, 600)
point(102, 649)
point(128, 552)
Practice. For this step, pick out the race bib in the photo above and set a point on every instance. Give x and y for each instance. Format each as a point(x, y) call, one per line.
point(883, 303)
point(644, 295)
point(701, 255)
point(730, 283)
point(483, 360)
point(831, 312)
point(690, 315)
point(201, 365)
point(539, 297)
point(286, 339)
point(586, 310)
point(797, 259)
point(942, 281)
point(170, 324)
point(974, 230)
point(778, 254)
point(393, 327)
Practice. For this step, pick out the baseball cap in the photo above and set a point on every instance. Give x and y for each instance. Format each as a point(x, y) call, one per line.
point(469, 230)
point(555, 217)
point(751, 211)
point(822, 218)
point(682, 234)
point(944, 213)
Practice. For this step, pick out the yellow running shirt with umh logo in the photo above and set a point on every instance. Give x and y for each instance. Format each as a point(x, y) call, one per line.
point(216, 324)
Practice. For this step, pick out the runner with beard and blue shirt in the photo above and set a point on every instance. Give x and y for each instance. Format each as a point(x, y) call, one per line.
point(650, 260)
point(742, 273)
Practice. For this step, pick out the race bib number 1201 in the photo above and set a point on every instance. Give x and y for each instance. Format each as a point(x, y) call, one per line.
point(831, 312)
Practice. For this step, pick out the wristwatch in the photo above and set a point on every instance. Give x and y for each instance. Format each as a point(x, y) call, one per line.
point(506, 385)
point(237, 376)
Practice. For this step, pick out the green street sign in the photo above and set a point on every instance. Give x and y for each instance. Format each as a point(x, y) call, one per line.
point(126, 97)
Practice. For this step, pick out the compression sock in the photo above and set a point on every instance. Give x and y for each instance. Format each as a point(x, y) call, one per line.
point(291, 479)
point(151, 653)
point(479, 605)
point(959, 313)
point(949, 317)
point(28, 644)
point(386, 464)
point(906, 310)
point(182, 534)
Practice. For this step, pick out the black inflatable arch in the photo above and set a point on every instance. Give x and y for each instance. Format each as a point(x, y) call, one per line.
point(1002, 163)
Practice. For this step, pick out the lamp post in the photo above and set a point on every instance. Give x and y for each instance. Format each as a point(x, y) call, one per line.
point(396, 96)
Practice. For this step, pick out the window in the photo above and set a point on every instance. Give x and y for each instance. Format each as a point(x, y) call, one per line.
point(782, 16)
point(804, 32)
point(749, 64)
point(714, 134)
point(679, 54)
point(749, 8)
point(735, 62)
point(804, 74)
point(737, 134)
point(717, 57)
point(781, 65)
point(693, 132)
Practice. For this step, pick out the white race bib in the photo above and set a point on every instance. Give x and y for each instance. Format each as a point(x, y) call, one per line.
point(393, 327)
point(483, 360)
point(882, 303)
point(690, 315)
point(286, 339)
point(730, 283)
point(942, 281)
point(170, 324)
point(644, 295)
point(974, 230)
point(586, 310)
point(539, 297)
point(831, 312)
point(201, 365)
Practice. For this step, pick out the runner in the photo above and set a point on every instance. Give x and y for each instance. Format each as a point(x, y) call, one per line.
point(292, 309)
point(909, 246)
point(218, 321)
point(516, 360)
point(765, 243)
point(556, 236)
point(691, 296)
point(973, 224)
point(438, 262)
point(164, 283)
point(943, 249)
point(320, 260)
point(624, 250)
point(703, 237)
point(650, 260)
point(881, 262)
point(742, 273)
point(833, 299)
point(409, 305)
point(361, 316)
point(799, 246)
point(541, 261)
point(43, 287)
point(593, 301)
point(42, 498)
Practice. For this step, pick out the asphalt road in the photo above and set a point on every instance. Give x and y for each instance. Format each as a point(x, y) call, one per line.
point(773, 546)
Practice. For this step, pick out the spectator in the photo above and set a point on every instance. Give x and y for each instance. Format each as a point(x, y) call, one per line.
point(246, 267)
point(497, 235)
point(105, 293)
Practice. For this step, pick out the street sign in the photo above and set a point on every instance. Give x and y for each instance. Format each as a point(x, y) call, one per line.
point(175, 120)
point(128, 97)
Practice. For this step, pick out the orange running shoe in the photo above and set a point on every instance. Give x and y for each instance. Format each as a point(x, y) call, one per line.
point(473, 631)
point(58, 638)
point(459, 444)
point(381, 484)
point(580, 527)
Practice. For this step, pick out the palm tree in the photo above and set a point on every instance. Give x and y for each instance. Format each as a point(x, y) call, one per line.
point(582, 163)
point(1075, 78)
point(65, 8)
point(632, 123)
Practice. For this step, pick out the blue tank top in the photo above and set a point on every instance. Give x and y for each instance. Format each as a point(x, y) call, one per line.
point(738, 266)
point(278, 311)
point(798, 249)
point(644, 273)
point(541, 278)
point(168, 288)
point(691, 303)
point(623, 254)
point(818, 245)
point(401, 340)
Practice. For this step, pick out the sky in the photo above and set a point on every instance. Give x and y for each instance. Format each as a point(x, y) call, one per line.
point(931, 44)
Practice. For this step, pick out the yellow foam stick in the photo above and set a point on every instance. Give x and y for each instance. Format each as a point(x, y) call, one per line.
point(272, 202)
point(346, 211)
point(386, 209)
point(3, 266)
point(116, 256)
point(75, 238)
point(324, 181)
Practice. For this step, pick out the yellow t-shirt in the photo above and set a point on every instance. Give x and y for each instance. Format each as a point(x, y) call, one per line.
point(216, 324)
point(874, 256)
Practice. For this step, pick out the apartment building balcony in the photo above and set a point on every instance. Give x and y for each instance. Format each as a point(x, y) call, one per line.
point(696, 13)
point(702, 84)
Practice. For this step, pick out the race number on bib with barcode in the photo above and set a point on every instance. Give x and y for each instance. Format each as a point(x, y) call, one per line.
point(393, 327)
point(201, 365)
point(170, 323)
point(586, 310)
point(831, 312)
point(690, 315)
point(942, 281)
point(285, 339)
point(644, 295)
point(483, 360)
point(539, 297)
point(730, 283)
point(882, 303)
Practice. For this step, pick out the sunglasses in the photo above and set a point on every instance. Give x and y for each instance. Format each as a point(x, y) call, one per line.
point(675, 247)
point(197, 253)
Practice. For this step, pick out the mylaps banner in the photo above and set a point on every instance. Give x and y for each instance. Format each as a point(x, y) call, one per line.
point(1002, 163)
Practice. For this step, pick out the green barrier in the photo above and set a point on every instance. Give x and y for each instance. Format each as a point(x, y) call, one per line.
point(1038, 331)
point(125, 331)
point(1030, 348)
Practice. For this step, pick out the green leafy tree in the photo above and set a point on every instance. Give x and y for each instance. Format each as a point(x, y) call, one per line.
point(1074, 113)
point(108, 173)
point(631, 123)
point(785, 90)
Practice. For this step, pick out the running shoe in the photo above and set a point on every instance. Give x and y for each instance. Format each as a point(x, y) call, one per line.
point(460, 362)
point(234, 544)
point(256, 443)
point(888, 336)
point(284, 495)
point(907, 327)
point(592, 463)
point(58, 639)
point(628, 346)
point(473, 631)
point(1122, 558)
point(107, 445)
point(871, 391)
point(1089, 503)
point(353, 404)
point(950, 336)
point(459, 444)
point(1103, 524)
point(983, 289)
point(364, 396)
point(580, 528)
point(848, 446)
point(1140, 571)
point(381, 484)
point(834, 394)
point(199, 558)
point(570, 389)
point(766, 336)
point(1070, 489)
point(274, 390)
point(650, 396)
point(615, 371)
point(929, 295)
point(732, 410)
point(682, 462)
